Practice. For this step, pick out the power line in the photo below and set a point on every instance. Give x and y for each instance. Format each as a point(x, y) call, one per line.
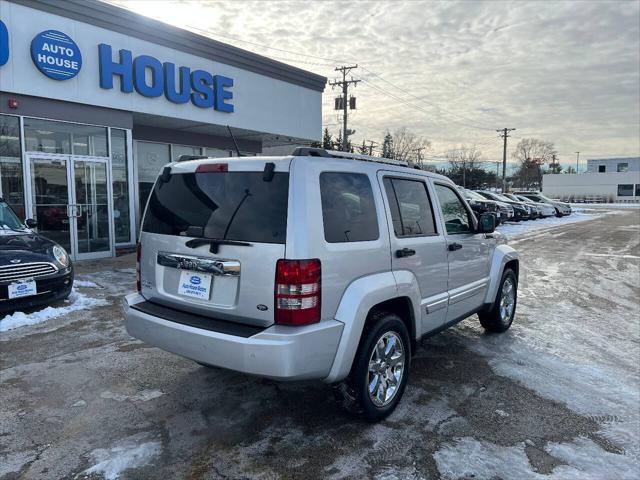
point(423, 100)
point(317, 57)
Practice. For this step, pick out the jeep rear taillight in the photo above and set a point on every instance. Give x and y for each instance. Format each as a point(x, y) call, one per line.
point(297, 292)
point(138, 255)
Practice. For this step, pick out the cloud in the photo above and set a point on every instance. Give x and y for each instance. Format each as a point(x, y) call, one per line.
point(567, 72)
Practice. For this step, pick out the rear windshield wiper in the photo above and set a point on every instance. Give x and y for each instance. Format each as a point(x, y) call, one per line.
point(214, 243)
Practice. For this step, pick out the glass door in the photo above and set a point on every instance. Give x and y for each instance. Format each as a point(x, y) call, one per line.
point(90, 209)
point(50, 204)
point(70, 199)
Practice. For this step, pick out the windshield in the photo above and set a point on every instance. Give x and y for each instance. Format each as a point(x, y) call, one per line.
point(502, 198)
point(473, 195)
point(233, 205)
point(8, 219)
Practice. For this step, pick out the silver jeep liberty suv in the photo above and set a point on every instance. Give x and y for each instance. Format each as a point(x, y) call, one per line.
point(319, 265)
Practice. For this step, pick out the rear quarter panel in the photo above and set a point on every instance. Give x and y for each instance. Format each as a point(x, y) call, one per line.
point(342, 263)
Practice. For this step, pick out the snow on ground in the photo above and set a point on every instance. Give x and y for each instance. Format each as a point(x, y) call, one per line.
point(513, 229)
point(85, 284)
point(133, 452)
point(575, 342)
point(76, 301)
point(605, 205)
point(468, 458)
point(89, 291)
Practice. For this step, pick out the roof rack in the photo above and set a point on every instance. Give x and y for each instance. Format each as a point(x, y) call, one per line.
point(186, 158)
point(321, 152)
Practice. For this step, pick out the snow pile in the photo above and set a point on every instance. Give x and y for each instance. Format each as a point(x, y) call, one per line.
point(132, 452)
point(76, 301)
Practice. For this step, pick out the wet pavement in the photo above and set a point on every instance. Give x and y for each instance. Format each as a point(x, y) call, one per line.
point(554, 397)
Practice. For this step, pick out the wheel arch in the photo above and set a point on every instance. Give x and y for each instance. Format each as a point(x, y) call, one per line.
point(362, 297)
point(504, 257)
point(401, 306)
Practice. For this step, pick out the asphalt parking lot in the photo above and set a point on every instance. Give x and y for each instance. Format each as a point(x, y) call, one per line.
point(555, 397)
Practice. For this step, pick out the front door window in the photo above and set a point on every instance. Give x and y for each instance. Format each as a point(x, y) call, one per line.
point(456, 216)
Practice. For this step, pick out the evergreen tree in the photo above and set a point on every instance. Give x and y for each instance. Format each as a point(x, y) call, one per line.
point(387, 146)
point(363, 149)
point(327, 141)
point(337, 144)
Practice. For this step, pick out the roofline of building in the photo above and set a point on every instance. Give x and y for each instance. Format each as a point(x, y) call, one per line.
point(123, 21)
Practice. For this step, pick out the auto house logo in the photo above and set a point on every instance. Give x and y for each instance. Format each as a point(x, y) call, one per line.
point(4, 44)
point(56, 55)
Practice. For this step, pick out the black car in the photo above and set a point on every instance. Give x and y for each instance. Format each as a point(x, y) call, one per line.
point(521, 210)
point(33, 269)
point(481, 205)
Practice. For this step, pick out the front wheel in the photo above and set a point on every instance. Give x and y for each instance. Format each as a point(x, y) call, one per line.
point(380, 369)
point(500, 317)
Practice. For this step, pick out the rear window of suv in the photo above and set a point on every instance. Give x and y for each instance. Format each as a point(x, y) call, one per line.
point(224, 205)
point(348, 208)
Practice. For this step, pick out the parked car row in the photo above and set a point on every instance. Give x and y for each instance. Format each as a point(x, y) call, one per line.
point(516, 206)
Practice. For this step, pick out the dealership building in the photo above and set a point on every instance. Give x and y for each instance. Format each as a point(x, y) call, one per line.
point(94, 99)
point(606, 180)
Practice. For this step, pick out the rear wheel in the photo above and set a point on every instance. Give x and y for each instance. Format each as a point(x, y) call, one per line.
point(500, 317)
point(380, 369)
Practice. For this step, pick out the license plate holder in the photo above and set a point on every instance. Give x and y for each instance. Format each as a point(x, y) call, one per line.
point(22, 288)
point(195, 284)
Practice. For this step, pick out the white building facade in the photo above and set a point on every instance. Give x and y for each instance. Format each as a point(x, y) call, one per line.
point(606, 180)
point(94, 99)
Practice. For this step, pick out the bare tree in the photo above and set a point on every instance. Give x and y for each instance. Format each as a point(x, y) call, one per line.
point(464, 158)
point(408, 147)
point(532, 153)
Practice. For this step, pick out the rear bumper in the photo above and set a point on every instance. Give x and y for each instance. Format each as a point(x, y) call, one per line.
point(278, 352)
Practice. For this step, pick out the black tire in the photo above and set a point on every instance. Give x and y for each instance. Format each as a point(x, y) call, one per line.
point(353, 392)
point(493, 320)
point(559, 213)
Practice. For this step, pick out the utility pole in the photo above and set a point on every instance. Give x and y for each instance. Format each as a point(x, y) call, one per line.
point(418, 155)
point(504, 133)
point(577, 161)
point(344, 83)
point(371, 144)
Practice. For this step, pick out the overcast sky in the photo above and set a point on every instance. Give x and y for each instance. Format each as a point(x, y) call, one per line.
point(454, 72)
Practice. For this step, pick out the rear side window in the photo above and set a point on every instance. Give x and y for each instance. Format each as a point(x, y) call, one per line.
point(348, 208)
point(223, 205)
point(411, 209)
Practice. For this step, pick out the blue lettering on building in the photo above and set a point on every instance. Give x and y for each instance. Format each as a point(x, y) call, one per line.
point(4, 44)
point(151, 78)
point(56, 55)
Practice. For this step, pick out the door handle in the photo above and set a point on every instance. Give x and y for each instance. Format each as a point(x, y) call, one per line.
point(454, 246)
point(405, 252)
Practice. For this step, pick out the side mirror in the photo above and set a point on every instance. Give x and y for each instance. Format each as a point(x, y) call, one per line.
point(31, 223)
point(486, 223)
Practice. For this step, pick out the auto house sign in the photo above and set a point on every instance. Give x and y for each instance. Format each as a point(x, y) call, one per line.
point(56, 55)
